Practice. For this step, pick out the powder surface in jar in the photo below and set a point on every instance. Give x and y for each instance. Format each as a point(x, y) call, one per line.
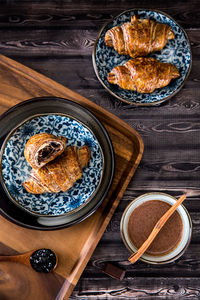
point(142, 221)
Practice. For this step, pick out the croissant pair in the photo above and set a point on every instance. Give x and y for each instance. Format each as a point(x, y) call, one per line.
point(55, 167)
point(138, 38)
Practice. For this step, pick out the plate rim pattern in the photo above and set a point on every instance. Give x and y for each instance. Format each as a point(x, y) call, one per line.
point(18, 216)
point(134, 103)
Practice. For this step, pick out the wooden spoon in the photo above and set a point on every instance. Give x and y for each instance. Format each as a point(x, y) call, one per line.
point(41, 260)
point(135, 256)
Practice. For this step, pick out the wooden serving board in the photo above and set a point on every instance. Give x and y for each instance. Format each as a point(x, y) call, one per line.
point(75, 245)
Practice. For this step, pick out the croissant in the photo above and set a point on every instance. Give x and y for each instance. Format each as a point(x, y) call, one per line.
point(42, 148)
point(59, 174)
point(138, 37)
point(143, 74)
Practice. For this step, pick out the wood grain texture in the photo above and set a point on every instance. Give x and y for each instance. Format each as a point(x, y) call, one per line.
point(67, 42)
point(52, 35)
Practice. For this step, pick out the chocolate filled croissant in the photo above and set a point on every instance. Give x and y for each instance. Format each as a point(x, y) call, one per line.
point(138, 37)
point(143, 74)
point(59, 174)
point(42, 148)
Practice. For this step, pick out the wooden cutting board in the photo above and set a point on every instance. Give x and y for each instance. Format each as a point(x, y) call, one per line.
point(75, 245)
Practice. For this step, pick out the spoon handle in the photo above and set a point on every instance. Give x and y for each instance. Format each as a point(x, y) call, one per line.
point(8, 258)
point(16, 258)
point(135, 256)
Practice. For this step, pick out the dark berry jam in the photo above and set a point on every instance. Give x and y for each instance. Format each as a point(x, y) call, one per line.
point(43, 260)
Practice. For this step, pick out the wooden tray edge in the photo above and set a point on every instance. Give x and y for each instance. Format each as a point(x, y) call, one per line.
point(61, 91)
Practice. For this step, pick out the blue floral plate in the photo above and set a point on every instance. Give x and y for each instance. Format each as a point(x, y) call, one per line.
point(66, 119)
point(177, 52)
point(15, 168)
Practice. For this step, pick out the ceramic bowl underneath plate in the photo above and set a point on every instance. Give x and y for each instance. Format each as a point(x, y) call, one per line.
point(60, 117)
point(176, 51)
point(186, 221)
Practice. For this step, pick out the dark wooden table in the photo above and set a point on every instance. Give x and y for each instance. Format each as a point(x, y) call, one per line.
point(56, 38)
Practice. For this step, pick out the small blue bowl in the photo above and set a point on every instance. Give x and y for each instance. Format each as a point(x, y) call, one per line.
point(177, 52)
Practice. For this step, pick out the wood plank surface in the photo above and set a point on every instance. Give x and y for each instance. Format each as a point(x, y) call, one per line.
point(47, 35)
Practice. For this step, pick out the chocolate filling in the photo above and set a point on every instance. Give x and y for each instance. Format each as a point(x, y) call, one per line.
point(46, 152)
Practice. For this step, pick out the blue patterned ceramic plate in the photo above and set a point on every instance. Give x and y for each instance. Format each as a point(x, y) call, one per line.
point(15, 168)
point(177, 52)
point(60, 117)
